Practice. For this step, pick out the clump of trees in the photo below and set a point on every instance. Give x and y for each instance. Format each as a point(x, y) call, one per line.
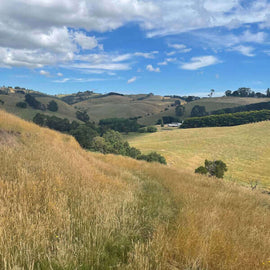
point(231, 119)
point(150, 129)
point(215, 168)
point(94, 138)
point(245, 108)
point(119, 124)
point(179, 110)
point(32, 102)
point(198, 111)
point(167, 120)
point(21, 104)
point(83, 116)
point(52, 106)
point(246, 92)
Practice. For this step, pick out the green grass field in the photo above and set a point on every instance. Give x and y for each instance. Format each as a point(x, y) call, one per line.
point(245, 149)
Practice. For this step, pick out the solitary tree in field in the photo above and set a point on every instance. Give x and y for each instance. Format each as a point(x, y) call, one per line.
point(215, 168)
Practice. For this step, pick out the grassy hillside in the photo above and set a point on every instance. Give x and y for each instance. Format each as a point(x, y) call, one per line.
point(64, 111)
point(245, 149)
point(125, 106)
point(65, 208)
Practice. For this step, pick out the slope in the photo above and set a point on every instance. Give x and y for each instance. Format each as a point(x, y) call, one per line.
point(245, 149)
point(10, 100)
point(65, 208)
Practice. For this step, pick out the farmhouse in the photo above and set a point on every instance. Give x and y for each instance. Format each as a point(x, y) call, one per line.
point(174, 125)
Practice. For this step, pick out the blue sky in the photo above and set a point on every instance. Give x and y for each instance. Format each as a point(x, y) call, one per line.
point(134, 46)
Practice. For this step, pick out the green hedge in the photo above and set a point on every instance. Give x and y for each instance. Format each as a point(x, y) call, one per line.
point(232, 119)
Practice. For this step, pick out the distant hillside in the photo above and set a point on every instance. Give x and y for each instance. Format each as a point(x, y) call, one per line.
point(66, 208)
point(10, 100)
point(147, 108)
point(126, 106)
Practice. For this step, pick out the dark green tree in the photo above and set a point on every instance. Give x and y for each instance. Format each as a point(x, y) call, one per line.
point(40, 119)
point(180, 110)
point(84, 135)
point(52, 106)
point(32, 102)
point(198, 111)
point(21, 104)
point(83, 116)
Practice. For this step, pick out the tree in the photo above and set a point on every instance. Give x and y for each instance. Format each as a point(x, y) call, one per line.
point(21, 104)
point(52, 106)
point(228, 93)
point(84, 135)
point(211, 93)
point(99, 145)
point(215, 168)
point(32, 102)
point(180, 110)
point(198, 111)
point(83, 116)
point(40, 119)
point(268, 92)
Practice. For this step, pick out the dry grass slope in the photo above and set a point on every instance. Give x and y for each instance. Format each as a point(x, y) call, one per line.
point(65, 208)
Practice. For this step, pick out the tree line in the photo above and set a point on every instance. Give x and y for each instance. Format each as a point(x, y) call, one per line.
point(247, 92)
point(96, 138)
point(231, 119)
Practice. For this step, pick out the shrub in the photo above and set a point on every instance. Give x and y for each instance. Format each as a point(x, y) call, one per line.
point(2, 102)
point(151, 129)
point(215, 168)
point(142, 130)
point(83, 116)
point(153, 157)
point(201, 170)
point(21, 104)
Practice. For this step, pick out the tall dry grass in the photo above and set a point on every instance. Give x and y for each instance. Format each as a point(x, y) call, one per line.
point(65, 208)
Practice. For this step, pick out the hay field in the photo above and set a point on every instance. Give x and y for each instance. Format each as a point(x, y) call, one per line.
point(245, 149)
point(65, 208)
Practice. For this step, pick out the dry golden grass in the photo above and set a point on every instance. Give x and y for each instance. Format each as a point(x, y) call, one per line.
point(65, 208)
point(245, 149)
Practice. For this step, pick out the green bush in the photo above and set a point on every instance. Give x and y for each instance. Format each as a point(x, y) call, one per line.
point(151, 129)
point(201, 170)
point(83, 116)
point(215, 168)
point(21, 104)
point(231, 119)
point(153, 157)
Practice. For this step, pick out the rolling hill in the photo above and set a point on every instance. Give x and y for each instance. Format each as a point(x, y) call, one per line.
point(10, 100)
point(65, 208)
point(148, 108)
point(245, 149)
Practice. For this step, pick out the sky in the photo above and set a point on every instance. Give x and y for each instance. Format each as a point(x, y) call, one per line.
point(167, 47)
